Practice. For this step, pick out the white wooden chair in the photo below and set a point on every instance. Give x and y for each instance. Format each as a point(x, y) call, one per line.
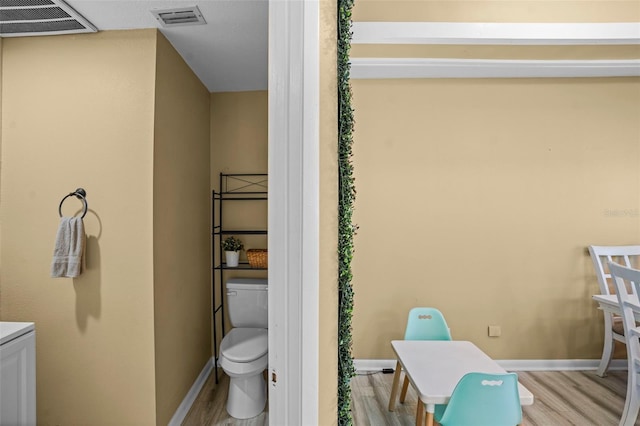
point(624, 277)
point(628, 256)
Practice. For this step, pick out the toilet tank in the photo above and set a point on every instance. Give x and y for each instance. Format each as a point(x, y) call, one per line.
point(247, 302)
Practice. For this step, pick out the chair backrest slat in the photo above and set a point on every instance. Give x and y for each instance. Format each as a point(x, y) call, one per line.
point(602, 255)
point(625, 277)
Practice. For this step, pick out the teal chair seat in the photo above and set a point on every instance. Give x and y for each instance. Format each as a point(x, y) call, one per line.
point(481, 399)
point(422, 324)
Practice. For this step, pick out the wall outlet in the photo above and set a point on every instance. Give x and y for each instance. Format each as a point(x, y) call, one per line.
point(495, 331)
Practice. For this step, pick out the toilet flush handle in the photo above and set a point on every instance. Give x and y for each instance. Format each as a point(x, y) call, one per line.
point(232, 293)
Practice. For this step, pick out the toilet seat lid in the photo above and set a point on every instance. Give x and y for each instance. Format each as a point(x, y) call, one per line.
point(245, 344)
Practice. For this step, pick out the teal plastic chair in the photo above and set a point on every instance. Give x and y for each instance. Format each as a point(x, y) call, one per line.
point(422, 324)
point(481, 399)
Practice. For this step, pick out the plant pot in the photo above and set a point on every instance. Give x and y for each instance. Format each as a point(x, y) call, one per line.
point(232, 258)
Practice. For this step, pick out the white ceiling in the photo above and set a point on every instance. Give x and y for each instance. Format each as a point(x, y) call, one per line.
point(229, 53)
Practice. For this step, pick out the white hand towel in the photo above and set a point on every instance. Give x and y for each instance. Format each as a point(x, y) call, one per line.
point(69, 248)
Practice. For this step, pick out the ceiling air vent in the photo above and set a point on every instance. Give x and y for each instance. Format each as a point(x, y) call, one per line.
point(180, 16)
point(20, 18)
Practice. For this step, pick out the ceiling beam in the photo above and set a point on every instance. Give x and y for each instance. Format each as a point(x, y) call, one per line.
point(383, 68)
point(466, 33)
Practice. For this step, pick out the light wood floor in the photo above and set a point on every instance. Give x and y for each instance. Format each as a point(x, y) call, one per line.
point(562, 398)
point(209, 408)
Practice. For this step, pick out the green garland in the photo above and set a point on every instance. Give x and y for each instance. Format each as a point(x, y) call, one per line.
point(346, 229)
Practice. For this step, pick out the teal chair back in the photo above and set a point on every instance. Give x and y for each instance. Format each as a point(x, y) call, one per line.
point(481, 399)
point(422, 324)
point(426, 324)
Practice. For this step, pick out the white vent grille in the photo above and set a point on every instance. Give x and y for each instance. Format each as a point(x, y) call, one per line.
point(20, 18)
point(179, 17)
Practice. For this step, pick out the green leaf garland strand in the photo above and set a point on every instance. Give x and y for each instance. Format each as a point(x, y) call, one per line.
point(346, 229)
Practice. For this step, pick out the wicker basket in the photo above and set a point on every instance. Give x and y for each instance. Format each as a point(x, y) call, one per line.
point(258, 258)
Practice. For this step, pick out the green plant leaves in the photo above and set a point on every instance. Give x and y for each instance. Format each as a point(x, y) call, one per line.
point(346, 228)
point(232, 244)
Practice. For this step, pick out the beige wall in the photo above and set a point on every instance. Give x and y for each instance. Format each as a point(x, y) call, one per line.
point(497, 11)
point(480, 196)
point(0, 160)
point(239, 134)
point(239, 125)
point(328, 294)
point(512, 52)
point(239, 145)
point(181, 243)
point(124, 342)
point(78, 111)
point(239, 131)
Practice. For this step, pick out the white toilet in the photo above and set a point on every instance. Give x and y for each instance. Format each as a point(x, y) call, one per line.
point(244, 350)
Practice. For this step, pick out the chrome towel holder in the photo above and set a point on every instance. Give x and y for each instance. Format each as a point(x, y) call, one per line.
point(80, 194)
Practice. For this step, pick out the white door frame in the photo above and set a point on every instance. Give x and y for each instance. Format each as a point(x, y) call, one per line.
point(293, 211)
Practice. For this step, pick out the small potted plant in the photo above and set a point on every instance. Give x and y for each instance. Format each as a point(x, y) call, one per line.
point(232, 247)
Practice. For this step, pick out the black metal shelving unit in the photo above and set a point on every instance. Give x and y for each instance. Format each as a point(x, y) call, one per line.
point(234, 187)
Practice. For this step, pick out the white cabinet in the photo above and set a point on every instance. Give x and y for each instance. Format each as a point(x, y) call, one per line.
point(17, 373)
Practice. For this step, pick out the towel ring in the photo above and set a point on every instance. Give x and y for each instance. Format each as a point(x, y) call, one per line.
point(80, 194)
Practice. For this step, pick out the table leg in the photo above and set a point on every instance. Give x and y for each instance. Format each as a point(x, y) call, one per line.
point(405, 386)
point(394, 387)
point(420, 413)
point(430, 411)
point(429, 419)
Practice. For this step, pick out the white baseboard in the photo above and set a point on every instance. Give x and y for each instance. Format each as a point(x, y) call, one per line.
point(558, 364)
point(510, 364)
point(373, 364)
point(187, 402)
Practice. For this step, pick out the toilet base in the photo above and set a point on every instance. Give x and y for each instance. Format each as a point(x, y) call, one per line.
point(247, 396)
